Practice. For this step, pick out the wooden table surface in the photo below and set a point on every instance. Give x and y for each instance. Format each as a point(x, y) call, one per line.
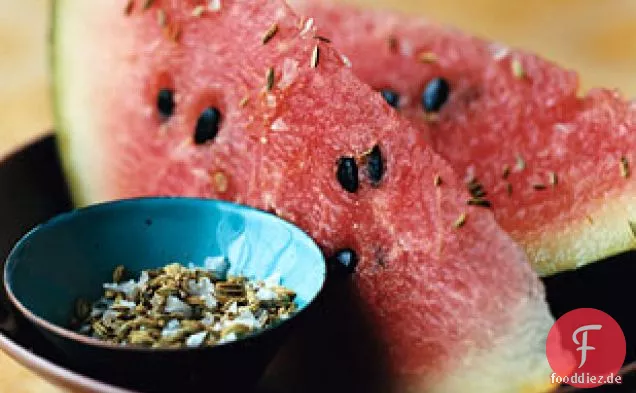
point(598, 38)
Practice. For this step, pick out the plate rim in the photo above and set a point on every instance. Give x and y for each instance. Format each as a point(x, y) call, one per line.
point(52, 372)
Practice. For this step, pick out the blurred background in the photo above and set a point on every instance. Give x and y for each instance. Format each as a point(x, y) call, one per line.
point(597, 38)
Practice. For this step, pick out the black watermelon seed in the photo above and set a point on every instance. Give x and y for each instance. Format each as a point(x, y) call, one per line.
point(435, 95)
point(344, 260)
point(375, 165)
point(391, 97)
point(207, 125)
point(165, 102)
point(347, 173)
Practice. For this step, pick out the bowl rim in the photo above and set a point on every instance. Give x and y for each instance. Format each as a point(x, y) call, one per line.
point(93, 342)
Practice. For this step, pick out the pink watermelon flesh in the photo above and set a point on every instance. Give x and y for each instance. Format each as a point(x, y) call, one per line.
point(495, 115)
point(456, 306)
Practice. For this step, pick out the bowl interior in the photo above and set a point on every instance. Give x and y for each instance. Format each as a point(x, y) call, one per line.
point(73, 254)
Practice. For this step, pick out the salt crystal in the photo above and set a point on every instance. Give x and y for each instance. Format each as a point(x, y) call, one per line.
point(288, 73)
point(218, 265)
point(499, 51)
point(156, 300)
point(200, 173)
point(210, 301)
point(346, 61)
point(273, 280)
point(171, 328)
point(148, 111)
point(201, 287)
point(175, 305)
point(309, 23)
point(228, 338)
point(262, 318)
point(281, 13)
point(270, 99)
point(110, 316)
point(208, 320)
point(265, 294)
point(195, 340)
point(126, 303)
point(406, 48)
point(279, 125)
point(233, 309)
point(214, 5)
point(245, 318)
point(470, 173)
point(143, 278)
point(564, 128)
point(128, 288)
point(173, 324)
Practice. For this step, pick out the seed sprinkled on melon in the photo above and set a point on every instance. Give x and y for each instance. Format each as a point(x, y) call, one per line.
point(539, 186)
point(147, 4)
point(220, 182)
point(161, 17)
point(461, 220)
point(173, 32)
point(270, 78)
point(315, 57)
point(517, 69)
point(520, 164)
point(393, 43)
point(198, 11)
point(479, 202)
point(427, 57)
point(270, 33)
point(624, 167)
point(506, 172)
point(437, 181)
point(323, 39)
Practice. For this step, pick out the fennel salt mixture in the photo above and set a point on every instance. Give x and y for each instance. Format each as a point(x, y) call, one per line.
point(177, 306)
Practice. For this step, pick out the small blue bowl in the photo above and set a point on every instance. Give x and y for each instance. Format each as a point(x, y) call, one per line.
point(70, 256)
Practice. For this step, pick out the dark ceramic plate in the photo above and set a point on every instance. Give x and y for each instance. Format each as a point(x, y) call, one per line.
point(330, 352)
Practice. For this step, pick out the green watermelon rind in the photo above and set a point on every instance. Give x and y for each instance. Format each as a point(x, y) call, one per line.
point(63, 130)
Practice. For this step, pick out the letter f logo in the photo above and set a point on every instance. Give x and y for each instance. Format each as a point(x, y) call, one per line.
point(583, 344)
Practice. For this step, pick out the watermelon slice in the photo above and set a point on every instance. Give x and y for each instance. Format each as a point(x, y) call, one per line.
point(236, 99)
point(554, 166)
